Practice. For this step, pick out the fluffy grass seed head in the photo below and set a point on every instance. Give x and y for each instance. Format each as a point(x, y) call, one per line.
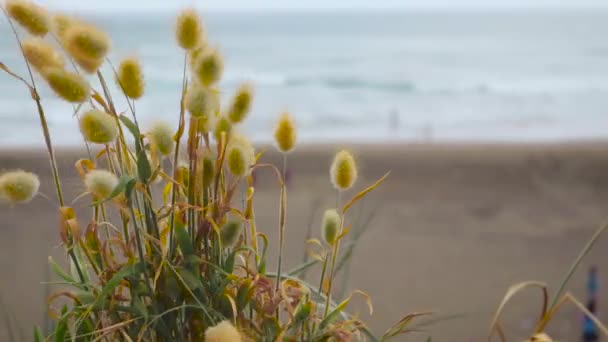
point(206, 166)
point(98, 127)
point(189, 29)
point(195, 53)
point(540, 337)
point(18, 186)
point(30, 16)
point(343, 170)
point(285, 133)
point(241, 103)
point(222, 124)
point(230, 232)
point(100, 183)
point(41, 55)
point(223, 332)
point(209, 66)
point(131, 78)
point(61, 23)
point(330, 226)
point(67, 85)
point(199, 101)
point(161, 137)
point(239, 155)
point(205, 123)
point(87, 44)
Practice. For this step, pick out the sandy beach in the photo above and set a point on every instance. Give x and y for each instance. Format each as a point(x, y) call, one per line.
point(451, 229)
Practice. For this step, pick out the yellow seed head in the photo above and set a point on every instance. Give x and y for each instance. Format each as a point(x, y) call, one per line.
point(30, 16)
point(189, 29)
point(87, 44)
point(67, 85)
point(199, 101)
point(88, 65)
point(241, 104)
point(209, 66)
point(208, 172)
point(239, 155)
point(330, 226)
point(223, 332)
point(195, 53)
point(18, 186)
point(343, 170)
point(222, 125)
point(285, 133)
point(540, 337)
point(131, 78)
point(98, 127)
point(41, 55)
point(205, 123)
point(161, 137)
point(100, 183)
point(61, 23)
point(230, 233)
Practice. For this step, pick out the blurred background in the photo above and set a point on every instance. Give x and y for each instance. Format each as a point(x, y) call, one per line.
point(374, 71)
point(492, 116)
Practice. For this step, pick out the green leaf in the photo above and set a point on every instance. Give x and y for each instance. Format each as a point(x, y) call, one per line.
point(61, 331)
point(125, 271)
point(302, 267)
point(60, 272)
point(131, 127)
point(262, 261)
point(125, 184)
point(189, 278)
point(243, 295)
point(229, 263)
point(38, 334)
point(140, 307)
point(271, 328)
point(144, 171)
point(332, 316)
point(183, 240)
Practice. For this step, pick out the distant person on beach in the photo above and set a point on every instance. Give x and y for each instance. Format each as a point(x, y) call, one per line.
point(589, 329)
point(592, 283)
point(393, 121)
point(590, 333)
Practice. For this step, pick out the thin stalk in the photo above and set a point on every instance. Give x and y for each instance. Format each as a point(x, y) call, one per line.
point(178, 137)
point(140, 250)
point(576, 262)
point(121, 140)
point(282, 220)
point(334, 256)
point(320, 291)
point(192, 148)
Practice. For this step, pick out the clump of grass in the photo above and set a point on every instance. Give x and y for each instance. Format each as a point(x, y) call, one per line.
point(193, 267)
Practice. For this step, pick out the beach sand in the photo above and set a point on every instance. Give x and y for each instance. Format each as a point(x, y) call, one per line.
point(449, 231)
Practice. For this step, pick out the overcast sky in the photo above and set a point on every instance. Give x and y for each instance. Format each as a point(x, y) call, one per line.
point(159, 5)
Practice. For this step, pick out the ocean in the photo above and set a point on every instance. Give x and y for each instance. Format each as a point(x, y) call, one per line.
point(366, 76)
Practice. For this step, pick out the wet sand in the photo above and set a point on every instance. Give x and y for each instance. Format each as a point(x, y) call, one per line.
point(449, 231)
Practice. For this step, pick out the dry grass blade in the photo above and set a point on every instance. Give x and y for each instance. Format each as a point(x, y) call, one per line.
point(568, 297)
point(512, 291)
point(576, 262)
point(399, 327)
point(364, 192)
point(8, 71)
